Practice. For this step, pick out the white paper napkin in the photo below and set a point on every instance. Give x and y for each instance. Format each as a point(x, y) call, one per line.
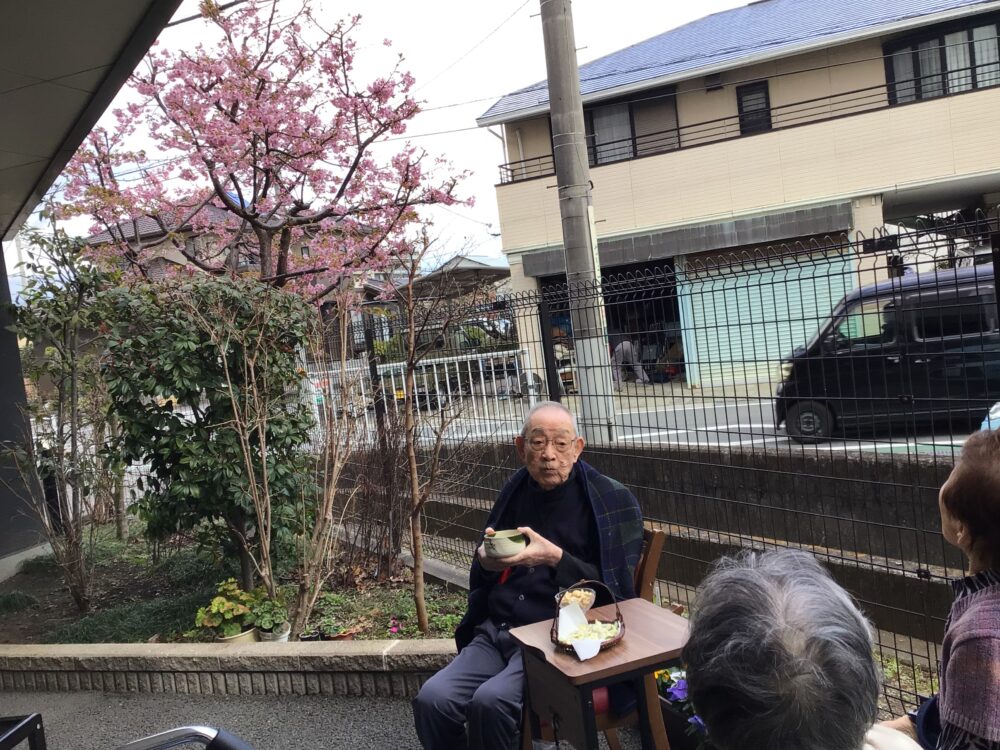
point(570, 618)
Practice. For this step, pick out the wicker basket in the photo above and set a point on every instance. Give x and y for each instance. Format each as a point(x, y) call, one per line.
point(610, 642)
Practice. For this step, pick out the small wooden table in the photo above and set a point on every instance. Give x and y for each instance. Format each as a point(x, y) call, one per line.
point(560, 686)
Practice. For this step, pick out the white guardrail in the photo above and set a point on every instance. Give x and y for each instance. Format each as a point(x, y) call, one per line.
point(484, 394)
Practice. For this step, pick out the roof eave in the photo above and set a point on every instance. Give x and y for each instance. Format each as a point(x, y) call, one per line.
point(752, 59)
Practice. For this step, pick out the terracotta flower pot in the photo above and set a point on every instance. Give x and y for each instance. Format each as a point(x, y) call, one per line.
point(345, 636)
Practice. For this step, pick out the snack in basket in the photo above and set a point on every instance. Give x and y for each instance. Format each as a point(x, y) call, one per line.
point(583, 598)
point(594, 631)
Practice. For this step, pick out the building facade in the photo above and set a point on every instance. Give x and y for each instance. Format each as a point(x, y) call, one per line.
point(785, 122)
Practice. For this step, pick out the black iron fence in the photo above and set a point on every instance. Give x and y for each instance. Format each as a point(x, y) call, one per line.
point(808, 395)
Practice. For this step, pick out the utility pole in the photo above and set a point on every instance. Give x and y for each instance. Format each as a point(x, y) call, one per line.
point(583, 268)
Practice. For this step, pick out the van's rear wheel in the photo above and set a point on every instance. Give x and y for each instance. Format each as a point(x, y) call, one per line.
point(809, 422)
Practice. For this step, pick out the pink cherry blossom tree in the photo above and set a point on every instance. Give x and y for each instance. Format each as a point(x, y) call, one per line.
point(267, 144)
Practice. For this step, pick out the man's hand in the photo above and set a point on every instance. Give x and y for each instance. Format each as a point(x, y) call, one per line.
point(540, 551)
point(902, 724)
point(492, 564)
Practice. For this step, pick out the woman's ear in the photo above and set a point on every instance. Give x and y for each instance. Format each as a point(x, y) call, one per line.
point(963, 539)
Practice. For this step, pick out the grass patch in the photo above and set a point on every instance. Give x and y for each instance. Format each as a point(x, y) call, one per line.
point(41, 565)
point(15, 601)
point(136, 622)
point(388, 611)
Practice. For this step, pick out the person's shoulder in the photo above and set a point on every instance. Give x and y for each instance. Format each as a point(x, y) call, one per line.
point(977, 615)
point(605, 485)
point(596, 477)
point(514, 480)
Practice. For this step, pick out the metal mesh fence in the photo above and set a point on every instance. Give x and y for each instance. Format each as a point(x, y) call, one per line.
point(810, 395)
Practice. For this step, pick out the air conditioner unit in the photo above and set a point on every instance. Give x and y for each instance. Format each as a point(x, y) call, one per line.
point(713, 82)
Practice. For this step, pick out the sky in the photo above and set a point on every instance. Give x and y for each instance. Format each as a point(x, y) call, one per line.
point(464, 56)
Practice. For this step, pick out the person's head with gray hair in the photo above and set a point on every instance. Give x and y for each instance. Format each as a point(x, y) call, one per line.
point(779, 657)
point(559, 408)
point(548, 444)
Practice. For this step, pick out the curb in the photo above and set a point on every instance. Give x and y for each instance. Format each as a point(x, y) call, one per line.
point(346, 668)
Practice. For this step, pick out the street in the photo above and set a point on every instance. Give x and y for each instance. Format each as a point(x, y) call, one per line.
point(682, 419)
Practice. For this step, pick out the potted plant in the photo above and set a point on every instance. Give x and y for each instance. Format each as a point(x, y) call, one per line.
point(685, 729)
point(329, 629)
point(309, 634)
point(271, 619)
point(229, 616)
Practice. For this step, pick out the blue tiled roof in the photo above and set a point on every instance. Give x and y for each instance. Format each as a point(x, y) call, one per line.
point(769, 27)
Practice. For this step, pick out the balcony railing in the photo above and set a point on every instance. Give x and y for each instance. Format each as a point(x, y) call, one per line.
point(804, 112)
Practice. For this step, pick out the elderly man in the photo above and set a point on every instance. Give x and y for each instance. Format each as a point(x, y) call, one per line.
point(779, 658)
point(579, 524)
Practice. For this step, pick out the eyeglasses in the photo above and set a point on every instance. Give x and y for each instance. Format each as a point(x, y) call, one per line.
point(561, 444)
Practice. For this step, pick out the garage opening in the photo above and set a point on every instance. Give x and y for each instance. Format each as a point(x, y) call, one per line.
point(641, 307)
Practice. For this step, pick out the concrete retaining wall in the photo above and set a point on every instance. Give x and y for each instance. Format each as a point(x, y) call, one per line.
point(353, 668)
point(873, 504)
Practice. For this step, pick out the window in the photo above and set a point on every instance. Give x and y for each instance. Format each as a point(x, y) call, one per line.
point(754, 107)
point(612, 129)
point(627, 129)
point(866, 324)
point(949, 62)
point(951, 315)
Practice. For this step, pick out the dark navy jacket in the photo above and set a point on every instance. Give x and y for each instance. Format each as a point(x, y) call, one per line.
point(619, 529)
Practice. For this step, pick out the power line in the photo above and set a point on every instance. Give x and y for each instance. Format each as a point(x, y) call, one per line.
point(475, 46)
point(429, 135)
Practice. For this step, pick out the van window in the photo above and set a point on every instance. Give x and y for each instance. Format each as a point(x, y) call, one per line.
point(951, 316)
point(865, 324)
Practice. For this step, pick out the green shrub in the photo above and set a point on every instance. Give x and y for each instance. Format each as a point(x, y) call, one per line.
point(230, 611)
point(15, 601)
point(133, 623)
point(269, 614)
point(41, 565)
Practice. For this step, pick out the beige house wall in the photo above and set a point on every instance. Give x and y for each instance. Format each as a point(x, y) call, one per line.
point(528, 139)
point(870, 153)
point(867, 222)
point(526, 318)
point(705, 116)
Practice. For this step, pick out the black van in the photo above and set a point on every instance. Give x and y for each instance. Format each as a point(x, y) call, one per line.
point(905, 352)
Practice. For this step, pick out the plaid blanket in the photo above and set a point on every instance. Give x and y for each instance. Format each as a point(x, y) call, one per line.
point(619, 528)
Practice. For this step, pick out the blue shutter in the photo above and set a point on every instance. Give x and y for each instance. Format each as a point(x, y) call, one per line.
point(741, 322)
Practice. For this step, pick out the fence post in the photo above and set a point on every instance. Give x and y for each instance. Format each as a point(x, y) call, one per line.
point(995, 246)
point(378, 394)
point(548, 351)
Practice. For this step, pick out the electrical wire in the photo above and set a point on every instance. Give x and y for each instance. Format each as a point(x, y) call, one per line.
point(474, 47)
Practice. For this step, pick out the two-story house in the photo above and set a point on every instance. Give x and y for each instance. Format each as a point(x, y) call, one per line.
point(784, 121)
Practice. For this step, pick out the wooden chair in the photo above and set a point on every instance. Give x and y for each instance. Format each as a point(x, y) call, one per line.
point(645, 581)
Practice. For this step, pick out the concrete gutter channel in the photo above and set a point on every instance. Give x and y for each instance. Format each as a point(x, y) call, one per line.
point(375, 669)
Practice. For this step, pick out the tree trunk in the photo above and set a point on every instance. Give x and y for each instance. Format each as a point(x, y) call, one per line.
point(413, 469)
point(237, 534)
point(416, 534)
point(121, 522)
point(246, 570)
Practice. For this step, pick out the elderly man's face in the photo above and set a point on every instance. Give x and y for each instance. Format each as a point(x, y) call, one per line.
point(549, 447)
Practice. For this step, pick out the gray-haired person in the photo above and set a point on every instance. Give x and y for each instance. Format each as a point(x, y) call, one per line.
point(579, 524)
point(779, 658)
point(624, 354)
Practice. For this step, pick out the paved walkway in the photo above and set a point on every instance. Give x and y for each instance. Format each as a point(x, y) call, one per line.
point(104, 721)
